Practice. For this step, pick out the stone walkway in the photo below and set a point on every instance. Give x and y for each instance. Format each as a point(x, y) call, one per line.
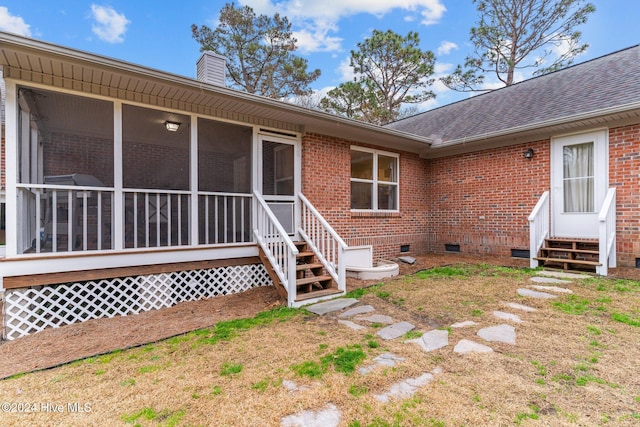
point(358, 317)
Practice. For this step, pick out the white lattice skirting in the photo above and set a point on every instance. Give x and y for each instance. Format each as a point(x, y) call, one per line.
point(30, 310)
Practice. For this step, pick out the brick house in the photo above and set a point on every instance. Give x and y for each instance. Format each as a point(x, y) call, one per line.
point(136, 189)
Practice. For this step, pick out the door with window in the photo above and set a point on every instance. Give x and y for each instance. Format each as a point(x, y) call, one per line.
point(279, 178)
point(579, 175)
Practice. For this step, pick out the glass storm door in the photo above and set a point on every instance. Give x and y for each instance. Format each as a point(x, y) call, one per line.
point(279, 178)
point(579, 184)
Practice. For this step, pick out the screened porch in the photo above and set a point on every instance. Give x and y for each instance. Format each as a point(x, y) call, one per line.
point(99, 175)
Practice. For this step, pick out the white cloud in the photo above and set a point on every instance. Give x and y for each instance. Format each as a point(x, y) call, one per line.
point(446, 47)
point(320, 18)
point(345, 70)
point(13, 24)
point(109, 25)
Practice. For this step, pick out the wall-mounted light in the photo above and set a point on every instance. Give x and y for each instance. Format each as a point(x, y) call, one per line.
point(528, 154)
point(172, 126)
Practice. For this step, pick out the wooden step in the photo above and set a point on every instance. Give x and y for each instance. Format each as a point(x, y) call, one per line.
point(305, 254)
point(311, 266)
point(568, 261)
point(317, 294)
point(574, 251)
point(313, 279)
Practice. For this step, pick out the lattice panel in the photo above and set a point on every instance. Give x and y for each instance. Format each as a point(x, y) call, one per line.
point(30, 310)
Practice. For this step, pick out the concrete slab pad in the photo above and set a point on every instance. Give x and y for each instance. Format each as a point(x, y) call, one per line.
point(361, 309)
point(549, 280)
point(520, 307)
point(352, 325)
point(535, 294)
point(468, 346)
point(562, 274)
point(394, 331)
point(556, 289)
point(331, 306)
point(377, 318)
point(501, 333)
point(464, 324)
point(432, 340)
point(328, 416)
point(507, 316)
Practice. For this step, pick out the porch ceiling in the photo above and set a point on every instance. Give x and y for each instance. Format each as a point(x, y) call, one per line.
point(30, 60)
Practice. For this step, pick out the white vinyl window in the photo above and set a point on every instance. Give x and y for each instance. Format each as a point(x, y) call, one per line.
point(374, 180)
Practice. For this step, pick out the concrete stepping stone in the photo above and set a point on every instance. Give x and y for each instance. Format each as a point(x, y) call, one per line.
point(464, 324)
point(502, 333)
point(377, 318)
point(405, 389)
point(293, 386)
point(394, 331)
point(549, 280)
point(521, 307)
point(328, 416)
point(331, 306)
point(552, 289)
point(468, 346)
point(535, 294)
point(352, 325)
point(385, 359)
point(362, 309)
point(432, 340)
point(507, 316)
point(562, 274)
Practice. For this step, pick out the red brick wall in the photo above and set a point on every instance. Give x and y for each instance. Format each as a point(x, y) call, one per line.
point(481, 200)
point(624, 174)
point(326, 164)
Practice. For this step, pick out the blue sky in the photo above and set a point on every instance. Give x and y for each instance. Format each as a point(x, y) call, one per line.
point(157, 33)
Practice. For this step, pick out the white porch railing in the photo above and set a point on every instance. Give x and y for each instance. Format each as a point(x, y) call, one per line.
point(224, 218)
point(277, 246)
point(327, 245)
point(538, 227)
point(59, 218)
point(607, 233)
point(156, 218)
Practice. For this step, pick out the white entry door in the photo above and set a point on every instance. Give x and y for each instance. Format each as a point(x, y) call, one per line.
point(579, 180)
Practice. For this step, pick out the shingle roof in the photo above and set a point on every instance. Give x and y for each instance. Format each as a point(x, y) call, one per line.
point(594, 86)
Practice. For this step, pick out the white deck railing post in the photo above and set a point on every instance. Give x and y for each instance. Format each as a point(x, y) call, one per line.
point(538, 227)
point(607, 233)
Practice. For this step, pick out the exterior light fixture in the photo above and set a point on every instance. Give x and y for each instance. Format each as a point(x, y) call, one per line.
point(529, 154)
point(172, 126)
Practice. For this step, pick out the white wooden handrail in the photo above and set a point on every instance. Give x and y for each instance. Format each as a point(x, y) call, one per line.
point(277, 246)
point(538, 227)
point(607, 233)
point(325, 242)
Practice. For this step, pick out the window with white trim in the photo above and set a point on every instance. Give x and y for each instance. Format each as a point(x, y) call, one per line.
point(374, 180)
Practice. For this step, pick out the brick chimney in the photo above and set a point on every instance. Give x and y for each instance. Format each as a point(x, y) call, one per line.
point(211, 68)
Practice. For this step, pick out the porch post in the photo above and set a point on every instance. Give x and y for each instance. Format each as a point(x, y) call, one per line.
point(11, 171)
point(117, 234)
point(193, 185)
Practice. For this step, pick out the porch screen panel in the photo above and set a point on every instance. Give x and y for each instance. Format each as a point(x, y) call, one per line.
point(66, 145)
point(578, 178)
point(155, 175)
point(277, 169)
point(224, 182)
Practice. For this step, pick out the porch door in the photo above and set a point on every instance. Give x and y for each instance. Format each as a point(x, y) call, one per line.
point(579, 179)
point(279, 178)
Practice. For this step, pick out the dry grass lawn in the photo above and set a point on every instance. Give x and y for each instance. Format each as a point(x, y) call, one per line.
point(576, 362)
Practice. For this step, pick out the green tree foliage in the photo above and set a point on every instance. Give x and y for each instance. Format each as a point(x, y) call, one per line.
point(518, 34)
point(390, 71)
point(259, 52)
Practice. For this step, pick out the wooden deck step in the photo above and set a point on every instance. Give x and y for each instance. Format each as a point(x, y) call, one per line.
point(568, 261)
point(301, 267)
point(570, 253)
point(313, 279)
point(317, 294)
